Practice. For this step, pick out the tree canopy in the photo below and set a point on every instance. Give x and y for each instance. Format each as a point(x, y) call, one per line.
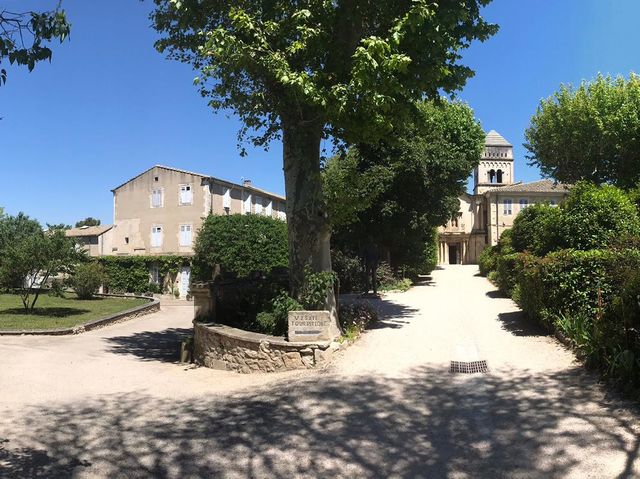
point(24, 37)
point(89, 221)
point(399, 189)
point(311, 69)
point(589, 133)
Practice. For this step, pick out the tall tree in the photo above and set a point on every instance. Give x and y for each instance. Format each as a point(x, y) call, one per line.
point(24, 36)
point(310, 69)
point(589, 133)
point(399, 189)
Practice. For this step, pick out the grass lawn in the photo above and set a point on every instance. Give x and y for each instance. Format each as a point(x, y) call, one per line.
point(51, 313)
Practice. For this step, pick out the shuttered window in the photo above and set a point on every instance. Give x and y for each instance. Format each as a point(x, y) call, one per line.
point(186, 195)
point(185, 235)
point(156, 236)
point(156, 198)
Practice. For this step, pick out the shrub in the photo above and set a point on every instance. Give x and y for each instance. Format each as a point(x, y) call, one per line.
point(240, 244)
point(507, 272)
point(131, 274)
point(398, 285)
point(594, 216)
point(349, 271)
point(56, 289)
point(275, 321)
point(488, 260)
point(538, 230)
point(385, 275)
point(313, 293)
point(87, 279)
point(355, 318)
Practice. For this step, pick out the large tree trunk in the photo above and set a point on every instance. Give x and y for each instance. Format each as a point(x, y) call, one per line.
point(308, 224)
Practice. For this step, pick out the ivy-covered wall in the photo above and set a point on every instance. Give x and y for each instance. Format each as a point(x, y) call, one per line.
point(132, 274)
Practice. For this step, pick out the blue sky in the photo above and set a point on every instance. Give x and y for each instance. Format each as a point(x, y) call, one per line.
point(109, 106)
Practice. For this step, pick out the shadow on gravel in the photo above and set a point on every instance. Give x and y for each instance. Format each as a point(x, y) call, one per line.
point(151, 345)
point(517, 324)
point(391, 314)
point(496, 294)
point(49, 312)
point(422, 424)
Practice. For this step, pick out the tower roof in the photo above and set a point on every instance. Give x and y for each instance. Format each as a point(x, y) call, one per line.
point(494, 138)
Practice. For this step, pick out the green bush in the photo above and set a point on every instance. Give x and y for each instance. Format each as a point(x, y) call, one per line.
point(87, 279)
point(275, 321)
point(349, 271)
point(131, 274)
point(355, 318)
point(594, 216)
point(57, 289)
point(507, 272)
point(538, 230)
point(241, 245)
point(488, 260)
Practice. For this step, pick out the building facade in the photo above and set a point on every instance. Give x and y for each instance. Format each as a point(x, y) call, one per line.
point(496, 201)
point(160, 211)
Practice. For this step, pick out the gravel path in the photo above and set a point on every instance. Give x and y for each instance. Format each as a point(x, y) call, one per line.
point(112, 403)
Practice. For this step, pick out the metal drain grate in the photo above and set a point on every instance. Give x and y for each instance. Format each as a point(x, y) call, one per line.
point(470, 367)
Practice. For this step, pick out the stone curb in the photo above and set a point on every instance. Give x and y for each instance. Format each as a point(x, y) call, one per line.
point(151, 307)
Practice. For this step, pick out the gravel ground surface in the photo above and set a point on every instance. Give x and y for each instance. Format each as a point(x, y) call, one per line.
point(113, 403)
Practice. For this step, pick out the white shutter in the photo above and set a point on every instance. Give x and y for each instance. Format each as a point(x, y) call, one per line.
point(156, 198)
point(246, 205)
point(269, 211)
point(258, 209)
point(156, 236)
point(185, 235)
point(226, 198)
point(186, 195)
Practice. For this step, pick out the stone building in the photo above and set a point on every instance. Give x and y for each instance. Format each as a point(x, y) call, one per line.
point(496, 201)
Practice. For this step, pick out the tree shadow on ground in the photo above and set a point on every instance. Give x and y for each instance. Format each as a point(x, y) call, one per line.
point(391, 314)
point(496, 294)
point(519, 325)
point(426, 423)
point(54, 312)
point(151, 345)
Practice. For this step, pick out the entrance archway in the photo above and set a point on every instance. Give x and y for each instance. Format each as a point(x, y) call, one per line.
point(453, 254)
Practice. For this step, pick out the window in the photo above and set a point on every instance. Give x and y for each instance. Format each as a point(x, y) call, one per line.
point(269, 209)
point(492, 176)
point(226, 198)
point(524, 203)
point(499, 176)
point(156, 236)
point(258, 209)
point(156, 179)
point(508, 207)
point(156, 198)
point(126, 240)
point(246, 204)
point(185, 235)
point(186, 195)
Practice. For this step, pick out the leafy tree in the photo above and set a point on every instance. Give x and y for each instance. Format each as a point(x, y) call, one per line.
point(23, 37)
point(538, 230)
point(14, 229)
point(589, 133)
point(303, 71)
point(58, 226)
point(399, 189)
point(29, 261)
point(87, 279)
point(89, 221)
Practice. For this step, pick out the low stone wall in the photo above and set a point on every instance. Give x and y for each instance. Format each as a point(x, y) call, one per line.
point(222, 347)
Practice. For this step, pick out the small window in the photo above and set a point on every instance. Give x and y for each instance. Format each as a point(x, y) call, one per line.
point(524, 203)
point(156, 179)
point(156, 198)
point(126, 240)
point(258, 209)
point(186, 195)
point(508, 207)
point(156, 236)
point(226, 198)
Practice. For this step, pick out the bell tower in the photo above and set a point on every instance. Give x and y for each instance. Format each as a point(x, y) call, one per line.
point(496, 164)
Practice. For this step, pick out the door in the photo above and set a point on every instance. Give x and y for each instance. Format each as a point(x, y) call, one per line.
point(185, 276)
point(453, 254)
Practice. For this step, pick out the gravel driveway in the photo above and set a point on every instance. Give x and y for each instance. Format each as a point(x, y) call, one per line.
point(113, 403)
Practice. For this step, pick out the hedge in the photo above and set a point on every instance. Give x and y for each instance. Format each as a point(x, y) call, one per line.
point(130, 274)
point(241, 245)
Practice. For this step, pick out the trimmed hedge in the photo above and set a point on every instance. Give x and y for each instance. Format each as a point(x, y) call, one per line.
point(241, 245)
point(130, 274)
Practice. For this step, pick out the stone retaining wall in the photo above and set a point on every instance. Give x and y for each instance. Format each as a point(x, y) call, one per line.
point(222, 347)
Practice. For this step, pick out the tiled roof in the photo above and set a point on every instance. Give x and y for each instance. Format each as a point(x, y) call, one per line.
point(88, 231)
point(494, 138)
point(252, 188)
point(541, 186)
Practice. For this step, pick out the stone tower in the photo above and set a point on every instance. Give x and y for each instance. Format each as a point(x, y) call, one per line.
point(496, 164)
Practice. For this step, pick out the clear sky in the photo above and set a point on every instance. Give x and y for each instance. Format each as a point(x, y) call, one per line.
point(109, 106)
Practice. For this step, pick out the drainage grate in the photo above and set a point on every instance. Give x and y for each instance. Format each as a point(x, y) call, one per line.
point(468, 367)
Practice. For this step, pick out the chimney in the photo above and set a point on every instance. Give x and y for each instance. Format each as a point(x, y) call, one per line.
point(246, 183)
